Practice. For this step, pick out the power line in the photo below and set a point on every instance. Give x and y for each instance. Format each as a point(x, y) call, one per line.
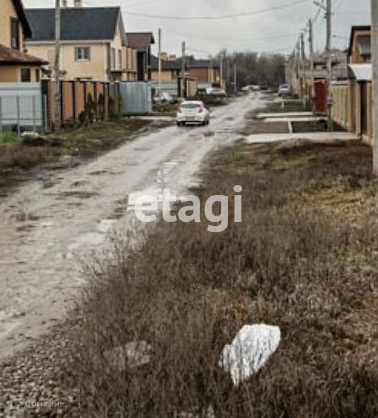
point(289, 35)
point(222, 17)
point(263, 52)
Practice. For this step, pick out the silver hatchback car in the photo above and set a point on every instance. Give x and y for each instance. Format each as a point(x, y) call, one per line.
point(192, 112)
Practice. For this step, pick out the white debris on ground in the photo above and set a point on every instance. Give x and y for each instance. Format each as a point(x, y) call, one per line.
point(134, 354)
point(250, 350)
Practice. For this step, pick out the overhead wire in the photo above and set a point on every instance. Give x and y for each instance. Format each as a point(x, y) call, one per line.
point(288, 35)
point(220, 17)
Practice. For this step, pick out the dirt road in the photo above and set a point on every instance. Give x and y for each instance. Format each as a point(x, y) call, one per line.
point(48, 226)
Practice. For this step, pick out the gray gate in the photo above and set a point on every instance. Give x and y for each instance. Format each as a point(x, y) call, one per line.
point(21, 105)
point(136, 98)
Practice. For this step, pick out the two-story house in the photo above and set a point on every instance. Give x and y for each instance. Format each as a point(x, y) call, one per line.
point(360, 82)
point(360, 45)
point(15, 64)
point(93, 42)
point(206, 72)
point(142, 43)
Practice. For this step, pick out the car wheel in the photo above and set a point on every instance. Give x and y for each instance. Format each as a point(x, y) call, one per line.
point(179, 123)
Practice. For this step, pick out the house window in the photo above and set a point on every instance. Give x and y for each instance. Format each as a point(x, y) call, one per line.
point(113, 58)
point(120, 59)
point(15, 33)
point(83, 54)
point(25, 75)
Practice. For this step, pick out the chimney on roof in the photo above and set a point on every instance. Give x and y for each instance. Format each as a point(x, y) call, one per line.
point(78, 4)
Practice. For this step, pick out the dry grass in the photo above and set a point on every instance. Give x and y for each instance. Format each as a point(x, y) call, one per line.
point(18, 158)
point(294, 262)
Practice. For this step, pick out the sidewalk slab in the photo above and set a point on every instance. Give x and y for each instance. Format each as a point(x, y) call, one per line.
point(314, 137)
point(284, 115)
point(295, 119)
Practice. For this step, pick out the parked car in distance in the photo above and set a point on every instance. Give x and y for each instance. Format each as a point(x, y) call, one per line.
point(164, 97)
point(251, 88)
point(192, 112)
point(283, 90)
point(215, 91)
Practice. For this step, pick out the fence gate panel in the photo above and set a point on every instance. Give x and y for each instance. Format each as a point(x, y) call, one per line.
point(21, 105)
point(136, 98)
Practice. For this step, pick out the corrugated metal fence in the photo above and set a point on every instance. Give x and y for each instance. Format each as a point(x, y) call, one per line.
point(21, 105)
point(136, 98)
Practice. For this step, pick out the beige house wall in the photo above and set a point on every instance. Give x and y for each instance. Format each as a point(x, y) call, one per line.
point(131, 64)
point(165, 75)
point(7, 13)
point(108, 61)
point(12, 73)
point(94, 69)
point(119, 64)
point(9, 74)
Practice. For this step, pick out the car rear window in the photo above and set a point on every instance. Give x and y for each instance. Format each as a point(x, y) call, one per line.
point(190, 105)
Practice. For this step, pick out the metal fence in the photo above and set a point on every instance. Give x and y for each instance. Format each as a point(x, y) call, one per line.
point(21, 106)
point(136, 98)
point(26, 106)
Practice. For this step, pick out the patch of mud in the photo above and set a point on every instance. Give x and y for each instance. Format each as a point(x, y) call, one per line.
point(78, 194)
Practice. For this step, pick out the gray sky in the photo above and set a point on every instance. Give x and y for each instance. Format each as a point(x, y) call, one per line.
point(274, 30)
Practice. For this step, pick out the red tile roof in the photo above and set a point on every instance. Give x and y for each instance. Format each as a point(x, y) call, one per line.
point(10, 56)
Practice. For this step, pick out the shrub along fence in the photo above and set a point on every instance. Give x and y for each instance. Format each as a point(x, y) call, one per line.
point(81, 101)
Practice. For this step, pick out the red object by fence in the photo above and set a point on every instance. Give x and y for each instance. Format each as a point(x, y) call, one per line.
point(320, 99)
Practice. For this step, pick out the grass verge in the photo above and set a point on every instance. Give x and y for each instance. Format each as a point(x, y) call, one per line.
point(17, 158)
point(304, 258)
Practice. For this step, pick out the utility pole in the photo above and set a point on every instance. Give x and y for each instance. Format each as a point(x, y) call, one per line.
point(235, 78)
point(160, 64)
point(221, 69)
point(311, 48)
point(303, 69)
point(299, 68)
point(57, 113)
point(183, 81)
point(374, 43)
point(329, 65)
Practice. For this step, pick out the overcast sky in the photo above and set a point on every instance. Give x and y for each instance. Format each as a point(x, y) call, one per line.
point(274, 30)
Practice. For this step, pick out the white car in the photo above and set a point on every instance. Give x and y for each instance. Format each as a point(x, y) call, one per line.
point(284, 90)
point(192, 112)
point(215, 91)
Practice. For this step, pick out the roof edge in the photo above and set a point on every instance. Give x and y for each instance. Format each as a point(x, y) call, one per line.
point(18, 5)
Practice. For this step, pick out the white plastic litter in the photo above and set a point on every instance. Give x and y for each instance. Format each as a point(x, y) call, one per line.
point(133, 355)
point(250, 350)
